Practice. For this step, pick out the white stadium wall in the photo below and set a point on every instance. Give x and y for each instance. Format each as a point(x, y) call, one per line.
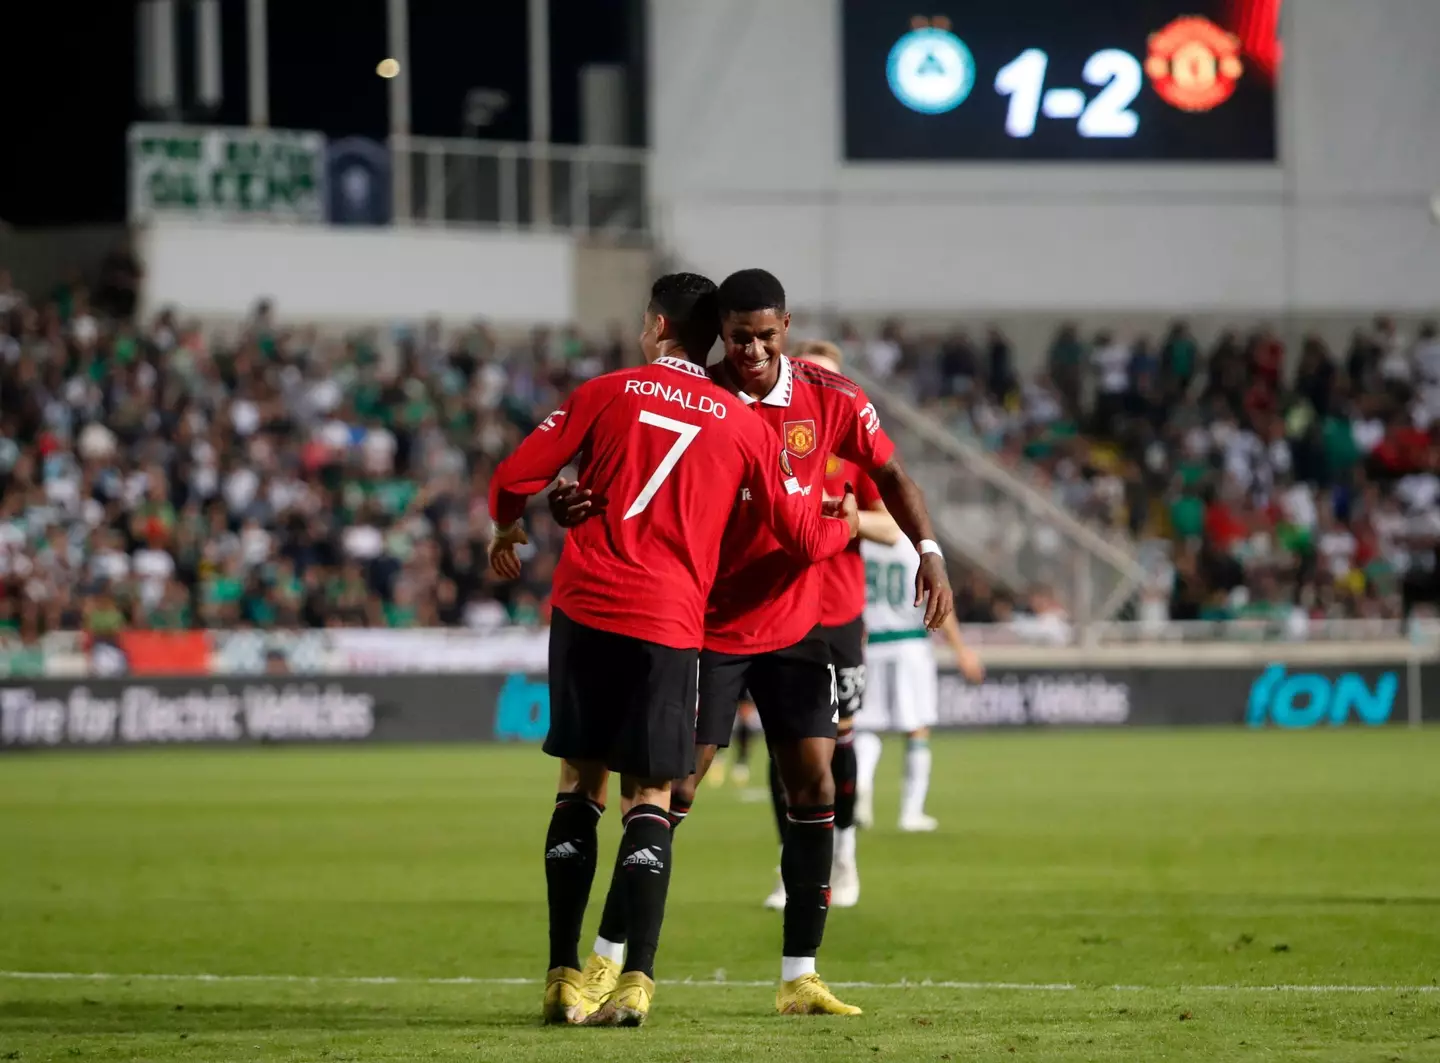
point(339, 275)
point(746, 125)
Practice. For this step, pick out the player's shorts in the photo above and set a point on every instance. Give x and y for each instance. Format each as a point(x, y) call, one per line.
point(847, 654)
point(625, 702)
point(793, 689)
point(903, 686)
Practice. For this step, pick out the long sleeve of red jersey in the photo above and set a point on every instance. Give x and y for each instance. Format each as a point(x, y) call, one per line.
point(541, 455)
point(793, 518)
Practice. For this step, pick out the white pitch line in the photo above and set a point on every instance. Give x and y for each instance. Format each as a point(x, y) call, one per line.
point(711, 983)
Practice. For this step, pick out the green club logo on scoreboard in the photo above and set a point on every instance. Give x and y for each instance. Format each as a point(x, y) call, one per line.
point(930, 70)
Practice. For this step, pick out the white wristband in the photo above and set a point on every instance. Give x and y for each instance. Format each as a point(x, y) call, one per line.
point(502, 529)
point(930, 546)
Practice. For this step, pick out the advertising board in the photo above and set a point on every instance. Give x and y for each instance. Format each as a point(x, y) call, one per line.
point(515, 706)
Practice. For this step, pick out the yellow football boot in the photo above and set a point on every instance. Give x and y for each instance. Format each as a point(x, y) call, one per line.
point(599, 978)
point(564, 1001)
point(629, 1005)
point(807, 995)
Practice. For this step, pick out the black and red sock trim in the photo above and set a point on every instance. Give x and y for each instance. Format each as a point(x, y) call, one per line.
point(679, 809)
point(805, 869)
point(815, 816)
point(573, 799)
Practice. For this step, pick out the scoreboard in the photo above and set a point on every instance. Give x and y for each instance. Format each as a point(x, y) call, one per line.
point(1060, 80)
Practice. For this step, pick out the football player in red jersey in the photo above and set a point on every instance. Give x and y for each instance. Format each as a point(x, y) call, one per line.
point(675, 453)
point(842, 626)
point(762, 617)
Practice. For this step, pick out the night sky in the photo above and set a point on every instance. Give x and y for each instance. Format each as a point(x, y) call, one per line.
point(71, 97)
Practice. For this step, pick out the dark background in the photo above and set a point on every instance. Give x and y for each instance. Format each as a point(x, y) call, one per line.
point(69, 83)
point(878, 126)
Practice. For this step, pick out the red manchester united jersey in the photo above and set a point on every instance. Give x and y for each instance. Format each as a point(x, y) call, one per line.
point(842, 578)
point(671, 453)
point(765, 599)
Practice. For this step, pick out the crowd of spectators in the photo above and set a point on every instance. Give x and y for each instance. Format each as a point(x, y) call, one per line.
point(1284, 485)
point(165, 476)
point(160, 475)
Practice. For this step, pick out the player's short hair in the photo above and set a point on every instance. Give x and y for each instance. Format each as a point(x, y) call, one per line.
point(751, 289)
point(821, 349)
point(687, 300)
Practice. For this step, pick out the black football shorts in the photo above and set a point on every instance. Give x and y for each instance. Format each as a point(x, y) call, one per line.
point(625, 702)
point(847, 654)
point(793, 689)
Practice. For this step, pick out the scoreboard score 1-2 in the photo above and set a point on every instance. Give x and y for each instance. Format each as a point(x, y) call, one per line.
point(1061, 80)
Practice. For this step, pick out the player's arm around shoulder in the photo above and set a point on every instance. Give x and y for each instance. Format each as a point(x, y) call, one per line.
point(532, 466)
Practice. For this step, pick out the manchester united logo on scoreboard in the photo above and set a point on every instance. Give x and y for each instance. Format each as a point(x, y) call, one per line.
point(1194, 64)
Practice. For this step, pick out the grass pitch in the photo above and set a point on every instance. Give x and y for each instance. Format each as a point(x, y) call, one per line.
point(1092, 896)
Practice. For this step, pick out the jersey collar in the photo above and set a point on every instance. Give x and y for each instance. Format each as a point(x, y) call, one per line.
point(669, 361)
point(779, 395)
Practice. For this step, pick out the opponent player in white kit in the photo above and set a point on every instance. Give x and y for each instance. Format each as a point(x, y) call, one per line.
point(902, 682)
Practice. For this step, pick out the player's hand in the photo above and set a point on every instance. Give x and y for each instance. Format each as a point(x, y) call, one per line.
point(503, 561)
point(932, 589)
point(846, 508)
point(970, 665)
point(569, 505)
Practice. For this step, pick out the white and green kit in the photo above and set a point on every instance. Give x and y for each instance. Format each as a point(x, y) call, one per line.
point(902, 684)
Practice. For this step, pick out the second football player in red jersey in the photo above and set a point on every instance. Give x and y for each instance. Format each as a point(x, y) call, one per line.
point(763, 612)
point(842, 626)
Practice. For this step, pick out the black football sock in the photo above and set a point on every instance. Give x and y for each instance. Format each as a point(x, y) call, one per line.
point(644, 881)
point(569, 870)
point(805, 870)
point(742, 741)
point(843, 768)
point(778, 802)
point(612, 918)
point(679, 809)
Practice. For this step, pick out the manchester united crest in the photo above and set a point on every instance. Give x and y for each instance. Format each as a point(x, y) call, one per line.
point(1194, 64)
point(800, 438)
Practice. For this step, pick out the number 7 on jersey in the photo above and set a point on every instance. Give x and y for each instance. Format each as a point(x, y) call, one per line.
point(686, 434)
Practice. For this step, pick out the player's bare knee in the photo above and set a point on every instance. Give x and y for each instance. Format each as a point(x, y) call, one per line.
point(819, 791)
point(587, 777)
point(805, 772)
point(641, 791)
point(682, 791)
point(922, 735)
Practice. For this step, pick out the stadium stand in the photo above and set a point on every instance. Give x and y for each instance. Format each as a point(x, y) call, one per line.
point(163, 476)
point(1282, 488)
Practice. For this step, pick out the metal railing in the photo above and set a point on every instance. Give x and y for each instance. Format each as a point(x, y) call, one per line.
point(586, 190)
point(1003, 524)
